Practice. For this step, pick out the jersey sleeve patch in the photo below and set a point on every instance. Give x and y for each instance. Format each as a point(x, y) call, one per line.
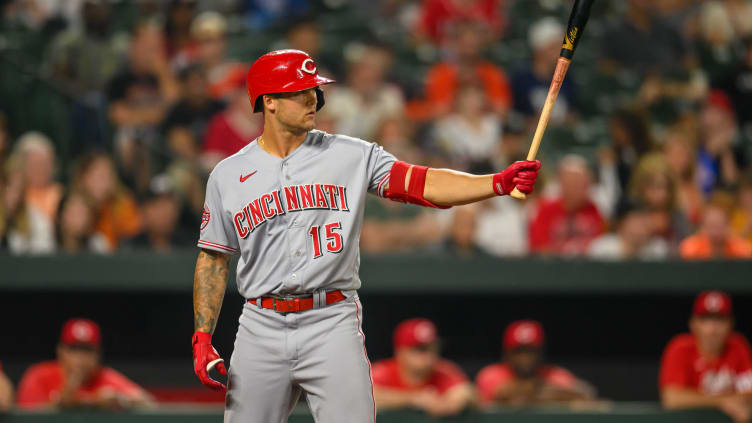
point(205, 217)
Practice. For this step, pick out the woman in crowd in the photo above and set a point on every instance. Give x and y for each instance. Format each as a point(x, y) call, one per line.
point(116, 213)
point(653, 186)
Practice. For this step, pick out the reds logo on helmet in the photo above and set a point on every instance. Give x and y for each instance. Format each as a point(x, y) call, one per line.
point(308, 66)
point(205, 216)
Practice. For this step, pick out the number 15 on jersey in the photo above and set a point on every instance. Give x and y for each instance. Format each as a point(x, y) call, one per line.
point(333, 238)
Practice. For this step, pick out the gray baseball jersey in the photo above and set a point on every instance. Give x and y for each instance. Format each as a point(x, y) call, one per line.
point(296, 223)
point(296, 220)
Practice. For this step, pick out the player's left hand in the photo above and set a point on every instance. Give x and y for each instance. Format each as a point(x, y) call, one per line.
point(520, 174)
point(205, 357)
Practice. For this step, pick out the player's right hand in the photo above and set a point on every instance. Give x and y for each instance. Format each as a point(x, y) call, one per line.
point(204, 358)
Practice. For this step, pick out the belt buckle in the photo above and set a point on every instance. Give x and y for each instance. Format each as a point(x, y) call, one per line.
point(286, 306)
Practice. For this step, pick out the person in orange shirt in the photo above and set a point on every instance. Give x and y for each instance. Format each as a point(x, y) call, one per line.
point(6, 391)
point(714, 240)
point(712, 365)
point(523, 378)
point(741, 219)
point(469, 66)
point(417, 377)
point(117, 213)
point(76, 378)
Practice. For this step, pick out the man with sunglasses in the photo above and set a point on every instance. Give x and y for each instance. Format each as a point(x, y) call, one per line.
point(417, 377)
point(77, 379)
point(523, 379)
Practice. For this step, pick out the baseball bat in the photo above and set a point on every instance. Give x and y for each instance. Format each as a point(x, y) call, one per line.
point(575, 28)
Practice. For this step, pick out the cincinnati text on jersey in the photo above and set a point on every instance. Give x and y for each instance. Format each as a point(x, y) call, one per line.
point(296, 198)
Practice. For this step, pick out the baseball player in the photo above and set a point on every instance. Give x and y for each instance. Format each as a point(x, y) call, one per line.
point(523, 378)
point(290, 203)
point(712, 365)
point(417, 377)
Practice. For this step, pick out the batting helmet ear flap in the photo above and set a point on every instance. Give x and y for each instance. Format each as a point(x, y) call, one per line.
point(319, 98)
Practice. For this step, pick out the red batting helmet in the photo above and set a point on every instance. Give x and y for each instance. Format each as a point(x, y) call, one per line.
point(284, 71)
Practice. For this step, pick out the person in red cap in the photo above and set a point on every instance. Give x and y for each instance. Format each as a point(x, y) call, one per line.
point(76, 378)
point(711, 366)
point(522, 378)
point(6, 391)
point(417, 377)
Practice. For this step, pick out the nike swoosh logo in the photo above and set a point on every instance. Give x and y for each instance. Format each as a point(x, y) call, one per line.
point(243, 178)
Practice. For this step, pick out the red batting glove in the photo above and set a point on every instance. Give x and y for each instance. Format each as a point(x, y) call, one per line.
point(204, 358)
point(519, 174)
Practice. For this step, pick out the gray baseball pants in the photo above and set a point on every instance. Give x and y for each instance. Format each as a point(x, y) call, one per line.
point(320, 352)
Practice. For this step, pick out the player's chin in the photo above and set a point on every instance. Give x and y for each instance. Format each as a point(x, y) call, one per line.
point(309, 122)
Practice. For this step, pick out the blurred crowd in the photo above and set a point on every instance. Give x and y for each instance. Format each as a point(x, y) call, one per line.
point(647, 156)
point(708, 367)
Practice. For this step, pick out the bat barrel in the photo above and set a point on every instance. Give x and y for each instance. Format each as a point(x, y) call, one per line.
point(576, 27)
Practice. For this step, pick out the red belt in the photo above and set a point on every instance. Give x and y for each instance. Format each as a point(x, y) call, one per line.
point(296, 305)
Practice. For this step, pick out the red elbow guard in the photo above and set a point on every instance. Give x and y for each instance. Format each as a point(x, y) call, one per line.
point(414, 193)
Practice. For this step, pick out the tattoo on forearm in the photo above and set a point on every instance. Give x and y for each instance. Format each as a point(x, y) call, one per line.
point(209, 283)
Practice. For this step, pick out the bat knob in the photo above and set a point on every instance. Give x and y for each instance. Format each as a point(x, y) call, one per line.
point(517, 194)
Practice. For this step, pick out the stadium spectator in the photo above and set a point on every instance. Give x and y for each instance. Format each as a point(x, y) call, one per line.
point(662, 47)
point(567, 223)
point(76, 378)
point(633, 238)
point(210, 31)
point(161, 211)
point(395, 135)
point(737, 86)
point(140, 96)
point(367, 99)
point(85, 58)
point(116, 213)
point(6, 391)
point(392, 227)
point(471, 134)
point(178, 35)
point(461, 241)
point(417, 377)
point(440, 18)
point(714, 239)
point(631, 140)
point(720, 158)
point(741, 220)
point(523, 379)
point(41, 194)
point(653, 186)
point(466, 65)
point(531, 84)
point(231, 129)
point(740, 12)
point(305, 34)
point(75, 227)
point(187, 121)
point(716, 45)
point(680, 153)
point(711, 366)
point(502, 227)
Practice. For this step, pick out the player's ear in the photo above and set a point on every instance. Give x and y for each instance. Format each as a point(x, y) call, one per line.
point(269, 102)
